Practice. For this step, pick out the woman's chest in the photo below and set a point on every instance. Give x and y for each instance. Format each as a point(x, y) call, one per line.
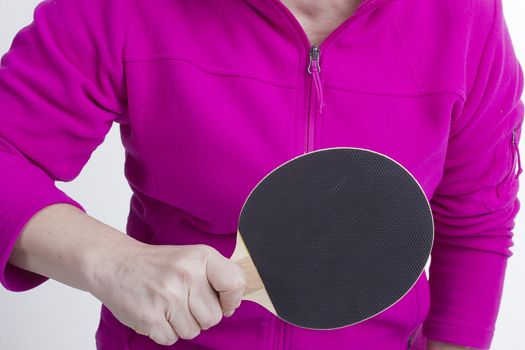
point(207, 139)
point(208, 120)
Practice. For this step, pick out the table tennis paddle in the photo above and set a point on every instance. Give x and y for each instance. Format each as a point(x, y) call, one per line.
point(333, 237)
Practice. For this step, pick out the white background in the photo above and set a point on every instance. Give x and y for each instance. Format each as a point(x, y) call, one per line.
point(55, 316)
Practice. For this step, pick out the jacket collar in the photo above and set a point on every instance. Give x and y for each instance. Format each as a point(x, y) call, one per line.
point(272, 8)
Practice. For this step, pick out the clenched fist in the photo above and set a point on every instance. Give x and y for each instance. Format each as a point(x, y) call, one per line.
point(168, 292)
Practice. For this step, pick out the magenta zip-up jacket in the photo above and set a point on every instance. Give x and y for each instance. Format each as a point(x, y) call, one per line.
point(210, 96)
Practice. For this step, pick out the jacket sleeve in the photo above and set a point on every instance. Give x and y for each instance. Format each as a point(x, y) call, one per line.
point(61, 88)
point(476, 203)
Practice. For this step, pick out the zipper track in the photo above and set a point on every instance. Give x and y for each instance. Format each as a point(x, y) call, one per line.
point(363, 7)
point(309, 117)
point(313, 70)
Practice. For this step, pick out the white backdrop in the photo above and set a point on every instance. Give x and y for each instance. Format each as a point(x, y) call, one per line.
point(55, 316)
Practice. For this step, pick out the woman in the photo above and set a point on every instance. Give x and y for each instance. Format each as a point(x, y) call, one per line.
point(212, 95)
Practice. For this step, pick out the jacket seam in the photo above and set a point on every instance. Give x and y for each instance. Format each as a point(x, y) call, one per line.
point(126, 27)
point(422, 92)
point(480, 65)
point(289, 85)
point(166, 57)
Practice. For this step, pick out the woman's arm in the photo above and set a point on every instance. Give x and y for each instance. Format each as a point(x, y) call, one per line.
point(64, 243)
point(146, 287)
point(61, 88)
point(476, 202)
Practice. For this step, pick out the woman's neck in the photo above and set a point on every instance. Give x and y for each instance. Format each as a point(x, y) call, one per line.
point(320, 18)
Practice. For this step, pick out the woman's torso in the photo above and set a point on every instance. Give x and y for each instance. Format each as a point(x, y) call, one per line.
point(219, 95)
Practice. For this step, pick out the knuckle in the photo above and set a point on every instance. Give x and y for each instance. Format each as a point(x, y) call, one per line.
point(157, 325)
point(199, 252)
point(177, 308)
point(172, 295)
point(189, 333)
point(183, 334)
point(162, 340)
point(195, 333)
point(203, 248)
point(238, 281)
point(207, 323)
point(157, 339)
point(145, 326)
point(217, 316)
point(212, 319)
point(165, 340)
point(141, 330)
point(171, 340)
point(185, 274)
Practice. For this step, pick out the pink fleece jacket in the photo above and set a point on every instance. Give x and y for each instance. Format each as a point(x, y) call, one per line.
point(211, 95)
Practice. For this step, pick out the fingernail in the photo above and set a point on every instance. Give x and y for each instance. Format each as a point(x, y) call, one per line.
point(228, 313)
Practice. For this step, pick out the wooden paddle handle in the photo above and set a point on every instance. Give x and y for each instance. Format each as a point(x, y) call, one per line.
point(253, 280)
point(242, 258)
point(255, 290)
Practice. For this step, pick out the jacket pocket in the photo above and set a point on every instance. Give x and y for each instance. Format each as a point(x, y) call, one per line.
point(505, 172)
point(516, 159)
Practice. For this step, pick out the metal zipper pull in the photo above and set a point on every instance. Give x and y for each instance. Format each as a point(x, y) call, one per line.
point(314, 57)
point(314, 68)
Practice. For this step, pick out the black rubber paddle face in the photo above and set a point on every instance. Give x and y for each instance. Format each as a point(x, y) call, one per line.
point(337, 236)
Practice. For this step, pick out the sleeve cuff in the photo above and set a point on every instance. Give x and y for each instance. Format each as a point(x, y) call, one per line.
point(470, 337)
point(466, 287)
point(11, 277)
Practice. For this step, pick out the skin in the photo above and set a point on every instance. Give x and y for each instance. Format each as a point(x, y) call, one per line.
point(163, 292)
point(320, 18)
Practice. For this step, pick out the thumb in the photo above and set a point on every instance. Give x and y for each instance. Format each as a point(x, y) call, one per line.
point(227, 278)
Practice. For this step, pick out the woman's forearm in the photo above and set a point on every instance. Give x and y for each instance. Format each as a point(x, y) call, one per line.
point(64, 243)
point(147, 287)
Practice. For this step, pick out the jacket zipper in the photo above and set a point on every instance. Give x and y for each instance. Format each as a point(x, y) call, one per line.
point(314, 68)
point(516, 152)
point(363, 7)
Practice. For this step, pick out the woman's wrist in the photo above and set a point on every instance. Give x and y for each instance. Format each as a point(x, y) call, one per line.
point(64, 243)
point(105, 257)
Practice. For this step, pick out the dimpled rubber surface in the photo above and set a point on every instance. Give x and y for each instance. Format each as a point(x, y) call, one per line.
point(337, 236)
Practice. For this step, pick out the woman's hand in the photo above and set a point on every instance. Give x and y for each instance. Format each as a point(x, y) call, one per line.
point(167, 292)
point(164, 292)
point(437, 345)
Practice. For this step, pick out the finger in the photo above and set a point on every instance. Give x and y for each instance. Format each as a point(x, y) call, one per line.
point(182, 321)
point(227, 278)
point(228, 313)
point(230, 301)
point(163, 334)
point(204, 305)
